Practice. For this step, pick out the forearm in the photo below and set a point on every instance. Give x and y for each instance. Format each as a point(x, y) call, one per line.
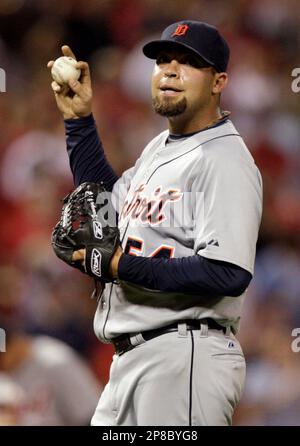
point(194, 274)
point(87, 158)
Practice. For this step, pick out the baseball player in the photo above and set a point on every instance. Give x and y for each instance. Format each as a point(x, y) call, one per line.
point(189, 214)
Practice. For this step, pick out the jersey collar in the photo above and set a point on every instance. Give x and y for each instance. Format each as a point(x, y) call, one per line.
point(224, 117)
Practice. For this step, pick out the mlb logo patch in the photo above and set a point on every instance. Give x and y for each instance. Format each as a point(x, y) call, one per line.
point(230, 344)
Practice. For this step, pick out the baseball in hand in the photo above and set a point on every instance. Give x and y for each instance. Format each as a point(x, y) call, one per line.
point(63, 70)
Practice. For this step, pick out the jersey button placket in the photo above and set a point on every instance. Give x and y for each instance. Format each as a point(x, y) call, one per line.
point(151, 168)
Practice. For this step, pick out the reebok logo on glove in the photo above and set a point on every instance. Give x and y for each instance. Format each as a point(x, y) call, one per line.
point(97, 227)
point(96, 262)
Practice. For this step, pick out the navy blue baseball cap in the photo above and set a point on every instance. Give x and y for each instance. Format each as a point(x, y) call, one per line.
point(200, 38)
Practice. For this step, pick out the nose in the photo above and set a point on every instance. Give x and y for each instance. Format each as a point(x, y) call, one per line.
point(172, 69)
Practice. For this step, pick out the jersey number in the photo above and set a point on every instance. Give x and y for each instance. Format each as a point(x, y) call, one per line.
point(134, 246)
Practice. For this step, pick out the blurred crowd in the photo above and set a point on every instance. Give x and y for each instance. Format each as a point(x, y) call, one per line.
point(44, 302)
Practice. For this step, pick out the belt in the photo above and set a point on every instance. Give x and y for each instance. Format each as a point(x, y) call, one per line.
point(123, 343)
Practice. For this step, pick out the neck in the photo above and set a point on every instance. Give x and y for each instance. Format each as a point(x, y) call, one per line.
point(180, 125)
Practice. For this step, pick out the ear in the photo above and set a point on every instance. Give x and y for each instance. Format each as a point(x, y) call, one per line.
point(220, 82)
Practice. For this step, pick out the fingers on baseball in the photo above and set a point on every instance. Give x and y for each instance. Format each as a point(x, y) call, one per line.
point(56, 87)
point(66, 50)
point(60, 90)
point(85, 77)
point(76, 87)
point(50, 63)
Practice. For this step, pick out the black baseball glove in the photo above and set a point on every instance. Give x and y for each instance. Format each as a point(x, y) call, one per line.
point(88, 221)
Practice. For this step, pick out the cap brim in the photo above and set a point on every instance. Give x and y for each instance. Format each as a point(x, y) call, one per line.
point(152, 49)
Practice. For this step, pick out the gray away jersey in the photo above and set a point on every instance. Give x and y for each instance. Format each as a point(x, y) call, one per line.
point(201, 195)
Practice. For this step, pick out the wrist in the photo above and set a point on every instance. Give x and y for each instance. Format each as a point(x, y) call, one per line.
point(79, 122)
point(72, 116)
point(67, 116)
point(114, 264)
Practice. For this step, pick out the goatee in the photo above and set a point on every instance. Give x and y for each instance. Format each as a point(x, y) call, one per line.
point(168, 108)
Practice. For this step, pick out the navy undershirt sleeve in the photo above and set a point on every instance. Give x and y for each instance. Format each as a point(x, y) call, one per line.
point(87, 158)
point(194, 274)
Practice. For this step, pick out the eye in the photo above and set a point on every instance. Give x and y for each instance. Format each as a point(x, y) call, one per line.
point(193, 61)
point(190, 60)
point(162, 58)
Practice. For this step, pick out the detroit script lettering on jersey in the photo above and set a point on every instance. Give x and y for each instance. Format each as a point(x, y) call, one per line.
point(149, 210)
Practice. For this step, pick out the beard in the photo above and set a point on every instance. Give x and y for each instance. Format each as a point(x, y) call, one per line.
point(167, 107)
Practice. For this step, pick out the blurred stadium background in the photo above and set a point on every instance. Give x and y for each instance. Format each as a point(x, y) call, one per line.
point(47, 298)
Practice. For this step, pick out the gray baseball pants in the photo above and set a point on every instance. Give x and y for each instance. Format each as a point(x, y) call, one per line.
point(184, 378)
